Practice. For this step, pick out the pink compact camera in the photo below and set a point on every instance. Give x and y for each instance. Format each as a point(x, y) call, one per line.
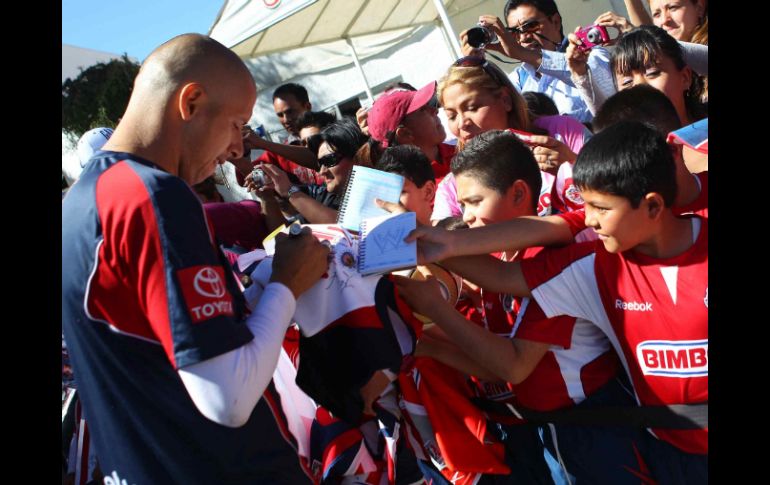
point(592, 36)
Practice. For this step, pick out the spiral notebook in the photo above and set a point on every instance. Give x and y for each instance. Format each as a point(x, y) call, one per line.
point(382, 248)
point(363, 186)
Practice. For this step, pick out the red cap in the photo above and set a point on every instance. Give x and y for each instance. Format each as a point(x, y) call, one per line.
point(390, 109)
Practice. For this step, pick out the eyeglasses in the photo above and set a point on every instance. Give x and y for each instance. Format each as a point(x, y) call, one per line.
point(330, 160)
point(528, 27)
point(492, 71)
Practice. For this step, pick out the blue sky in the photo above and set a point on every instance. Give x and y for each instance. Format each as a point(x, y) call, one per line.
point(135, 27)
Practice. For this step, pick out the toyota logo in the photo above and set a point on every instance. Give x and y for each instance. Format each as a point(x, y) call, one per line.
point(208, 283)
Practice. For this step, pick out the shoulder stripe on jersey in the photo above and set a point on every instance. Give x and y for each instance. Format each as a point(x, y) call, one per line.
point(95, 319)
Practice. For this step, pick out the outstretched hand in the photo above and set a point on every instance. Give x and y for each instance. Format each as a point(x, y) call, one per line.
point(433, 244)
point(423, 297)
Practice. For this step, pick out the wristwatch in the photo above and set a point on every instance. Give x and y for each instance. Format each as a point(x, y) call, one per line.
point(293, 190)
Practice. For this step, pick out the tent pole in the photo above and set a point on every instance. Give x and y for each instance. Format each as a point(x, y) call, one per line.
point(360, 69)
point(448, 28)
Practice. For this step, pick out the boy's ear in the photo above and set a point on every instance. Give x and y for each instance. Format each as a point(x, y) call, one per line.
point(654, 204)
point(520, 192)
point(429, 190)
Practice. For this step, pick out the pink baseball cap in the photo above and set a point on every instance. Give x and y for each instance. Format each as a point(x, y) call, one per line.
point(390, 109)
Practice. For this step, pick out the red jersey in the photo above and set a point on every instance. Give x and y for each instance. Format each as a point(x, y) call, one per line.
point(654, 311)
point(579, 362)
point(442, 167)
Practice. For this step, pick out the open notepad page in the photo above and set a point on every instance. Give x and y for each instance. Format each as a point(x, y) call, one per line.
point(363, 186)
point(382, 247)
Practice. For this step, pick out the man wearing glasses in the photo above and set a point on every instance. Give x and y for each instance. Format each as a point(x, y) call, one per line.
point(535, 36)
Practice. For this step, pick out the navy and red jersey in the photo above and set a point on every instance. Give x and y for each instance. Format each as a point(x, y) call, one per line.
point(579, 361)
point(145, 291)
point(654, 311)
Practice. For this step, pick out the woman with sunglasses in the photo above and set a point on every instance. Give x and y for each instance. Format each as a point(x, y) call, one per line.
point(342, 145)
point(477, 96)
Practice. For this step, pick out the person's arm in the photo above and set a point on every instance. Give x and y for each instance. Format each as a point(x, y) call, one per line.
point(298, 154)
point(435, 244)
point(489, 273)
point(508, 45)
point(446, 352)
point(312, 210)
point(511, 360)
point(226, 388)
point(637, 13)
point(594, 87)
point(271, 207)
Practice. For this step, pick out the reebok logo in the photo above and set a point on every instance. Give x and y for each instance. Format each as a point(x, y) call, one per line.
point(633, 306)
point(684, 358)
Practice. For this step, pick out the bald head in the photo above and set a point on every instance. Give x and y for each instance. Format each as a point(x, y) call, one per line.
point(190, 99)
point(186, 58)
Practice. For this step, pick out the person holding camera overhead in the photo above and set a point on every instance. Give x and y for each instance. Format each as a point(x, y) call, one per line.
point(534, 35)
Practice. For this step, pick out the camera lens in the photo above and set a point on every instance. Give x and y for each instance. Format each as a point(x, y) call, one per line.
point(594, 36)
point(478, 37)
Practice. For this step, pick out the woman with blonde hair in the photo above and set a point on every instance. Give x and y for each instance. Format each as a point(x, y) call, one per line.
point(477, 97)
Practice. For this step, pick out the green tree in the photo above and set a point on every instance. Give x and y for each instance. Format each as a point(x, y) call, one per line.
point(98, 96)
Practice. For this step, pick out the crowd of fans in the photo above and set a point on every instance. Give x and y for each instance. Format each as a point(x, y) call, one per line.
point(575, 353)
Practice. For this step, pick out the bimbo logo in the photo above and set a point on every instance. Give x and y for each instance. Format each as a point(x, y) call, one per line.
point(208, 283)
point(685, 358)
point(271, 3)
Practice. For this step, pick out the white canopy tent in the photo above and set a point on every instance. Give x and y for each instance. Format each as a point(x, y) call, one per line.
point(343, 49)
point(352, 30)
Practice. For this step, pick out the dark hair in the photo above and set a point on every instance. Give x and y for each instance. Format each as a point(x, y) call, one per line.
point(452, 223)
point(497, 159)
point(642, 47)
point(548, 7)
point(319, 119)
point(539, 104)
point(629, 159)
point(399, 85)
point(639, 103)
point(344, 137)
point(291, 89)
point(408, 161)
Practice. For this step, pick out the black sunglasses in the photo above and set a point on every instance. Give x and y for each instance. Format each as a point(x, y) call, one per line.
point(527, 27)
point(492, 71)
point(330, 160)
